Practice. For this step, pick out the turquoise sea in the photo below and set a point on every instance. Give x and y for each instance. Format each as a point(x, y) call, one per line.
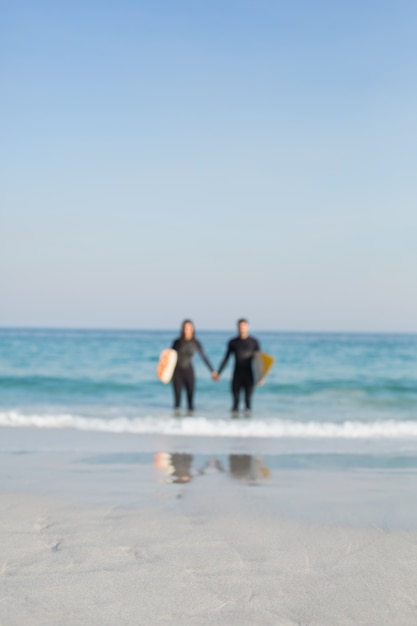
point(322, 388)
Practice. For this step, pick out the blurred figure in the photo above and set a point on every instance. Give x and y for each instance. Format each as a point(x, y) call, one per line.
point(186, 345)
point(243, 347)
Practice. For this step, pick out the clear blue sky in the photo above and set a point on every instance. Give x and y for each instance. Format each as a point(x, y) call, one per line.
point(209, 159)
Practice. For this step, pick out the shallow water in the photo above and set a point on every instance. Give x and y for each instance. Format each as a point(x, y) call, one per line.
point(329, 390)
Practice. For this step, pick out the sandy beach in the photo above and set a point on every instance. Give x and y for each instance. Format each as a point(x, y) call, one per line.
point(91, 536)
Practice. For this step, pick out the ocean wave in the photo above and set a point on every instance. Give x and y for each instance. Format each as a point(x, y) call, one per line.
point(55, 384)
point(345, 386)
point(203, 427)
point(396, 389)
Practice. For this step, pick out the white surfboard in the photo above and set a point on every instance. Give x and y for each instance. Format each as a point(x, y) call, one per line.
point(166, 366)
point(263, 363)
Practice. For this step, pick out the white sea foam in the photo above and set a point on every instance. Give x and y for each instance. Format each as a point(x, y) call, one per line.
point(203, 427)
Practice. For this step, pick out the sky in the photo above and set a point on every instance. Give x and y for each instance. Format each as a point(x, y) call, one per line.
point(212, 159)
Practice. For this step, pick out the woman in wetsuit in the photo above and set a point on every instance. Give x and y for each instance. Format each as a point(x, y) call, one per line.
point(186, 345)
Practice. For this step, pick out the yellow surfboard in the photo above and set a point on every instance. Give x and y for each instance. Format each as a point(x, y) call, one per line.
point(263, 363)
point(166, 366)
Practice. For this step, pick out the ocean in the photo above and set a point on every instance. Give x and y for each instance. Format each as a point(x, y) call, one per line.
point(340, 387)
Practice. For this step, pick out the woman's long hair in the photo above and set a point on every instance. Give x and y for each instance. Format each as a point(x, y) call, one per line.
point(183, 329)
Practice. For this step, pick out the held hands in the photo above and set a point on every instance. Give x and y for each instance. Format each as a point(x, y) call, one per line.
point(216, 377)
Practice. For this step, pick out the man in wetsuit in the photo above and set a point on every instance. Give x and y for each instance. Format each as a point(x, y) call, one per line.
point(243, 347)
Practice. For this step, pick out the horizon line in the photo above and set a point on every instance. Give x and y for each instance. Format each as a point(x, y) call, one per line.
point(230, 329)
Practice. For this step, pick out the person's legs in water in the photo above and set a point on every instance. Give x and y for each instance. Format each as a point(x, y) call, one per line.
point(177, 383)
point(248, 394)
point(236, 387)
point(189, 383)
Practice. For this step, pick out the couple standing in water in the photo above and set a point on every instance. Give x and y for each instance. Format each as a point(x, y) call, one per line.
point(243, 347)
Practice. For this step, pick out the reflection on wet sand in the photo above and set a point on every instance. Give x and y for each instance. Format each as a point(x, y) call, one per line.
point(247, 466)
point(177, 467)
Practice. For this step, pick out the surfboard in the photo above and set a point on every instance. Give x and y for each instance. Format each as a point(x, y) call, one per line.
point(166, 365)
point(263, 363)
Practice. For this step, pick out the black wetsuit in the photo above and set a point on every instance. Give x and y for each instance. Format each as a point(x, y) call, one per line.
point(244, 350)
point(184, 371)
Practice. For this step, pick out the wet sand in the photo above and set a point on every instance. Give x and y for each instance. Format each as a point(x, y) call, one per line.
point(95, 536)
